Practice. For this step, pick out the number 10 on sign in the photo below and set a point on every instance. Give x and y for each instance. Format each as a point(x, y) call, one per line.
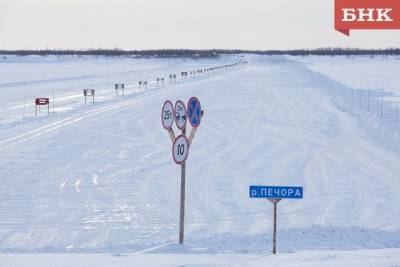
point(180, 149)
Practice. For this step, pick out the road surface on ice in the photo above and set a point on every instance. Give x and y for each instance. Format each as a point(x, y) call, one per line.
point(102, 178)
point(62, 80)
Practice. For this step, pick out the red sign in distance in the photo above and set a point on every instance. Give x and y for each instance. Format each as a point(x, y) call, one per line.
point(366, 14)
point(41, 101)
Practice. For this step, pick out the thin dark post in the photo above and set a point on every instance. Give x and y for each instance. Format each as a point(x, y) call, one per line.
point(352, 95)
point(368, 100)
point(274, 202)
point(53, 101)
point(382, 106)
point(182, 205)
point(274, 237)
point(23, 114)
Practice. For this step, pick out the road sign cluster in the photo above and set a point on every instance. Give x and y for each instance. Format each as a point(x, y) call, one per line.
point(193, 113)
point(180, 114)
point(181, 144)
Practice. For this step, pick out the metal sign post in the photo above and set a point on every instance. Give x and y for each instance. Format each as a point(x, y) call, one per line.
point(160, 80)
point(180, 146)
point(180, 152)
point(41, 101)
point(143, 83)
point(184, 75)
point(275, 194)
point(87, 93)
point(274, 202)
point(118, 86)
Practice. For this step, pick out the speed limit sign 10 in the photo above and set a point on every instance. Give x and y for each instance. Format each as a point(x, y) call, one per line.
point(180, 149)
point(167, 115)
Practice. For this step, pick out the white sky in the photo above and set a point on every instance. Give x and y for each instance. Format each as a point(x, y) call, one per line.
point(152, 24)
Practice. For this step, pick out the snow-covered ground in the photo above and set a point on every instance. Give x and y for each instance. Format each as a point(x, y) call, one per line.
point(100, 178)
point(359, 258)
point(366, 82)
point(62, 79)
point(364, 72)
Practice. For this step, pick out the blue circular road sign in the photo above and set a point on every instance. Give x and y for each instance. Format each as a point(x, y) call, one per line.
point(194, 111)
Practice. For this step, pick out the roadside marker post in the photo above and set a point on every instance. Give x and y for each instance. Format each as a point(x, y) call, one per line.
point(142, 83)
point(184, 75)
point(118, 86)
point(42, 101)
point(180, 146)
point(88, 93)
point(172, 78)
point(52, 102)
point(160, 80)
point(275, 194)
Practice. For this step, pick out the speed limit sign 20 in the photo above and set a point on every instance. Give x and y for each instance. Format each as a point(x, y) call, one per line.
point(180, 149)
point(180, 114)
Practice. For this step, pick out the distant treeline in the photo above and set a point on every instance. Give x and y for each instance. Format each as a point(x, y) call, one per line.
point(190, 53)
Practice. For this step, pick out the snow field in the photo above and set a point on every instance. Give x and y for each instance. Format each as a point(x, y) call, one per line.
point(362, 258)
point(102, 178)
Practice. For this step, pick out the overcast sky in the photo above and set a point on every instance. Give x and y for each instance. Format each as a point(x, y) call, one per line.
point(152, 24)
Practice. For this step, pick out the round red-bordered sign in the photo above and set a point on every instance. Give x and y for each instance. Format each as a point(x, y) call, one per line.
point(180, 114)
point(180, 149)
point(167, 115)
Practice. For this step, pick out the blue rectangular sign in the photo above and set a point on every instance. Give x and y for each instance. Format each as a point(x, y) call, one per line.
point(257, 191)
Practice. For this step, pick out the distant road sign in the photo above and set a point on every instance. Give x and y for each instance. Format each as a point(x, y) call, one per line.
point(167, 115)
point(42, 101)
point(194, 111)
point(180, 114)
point(180, 149)
point(276, 191)
point(88, 92)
